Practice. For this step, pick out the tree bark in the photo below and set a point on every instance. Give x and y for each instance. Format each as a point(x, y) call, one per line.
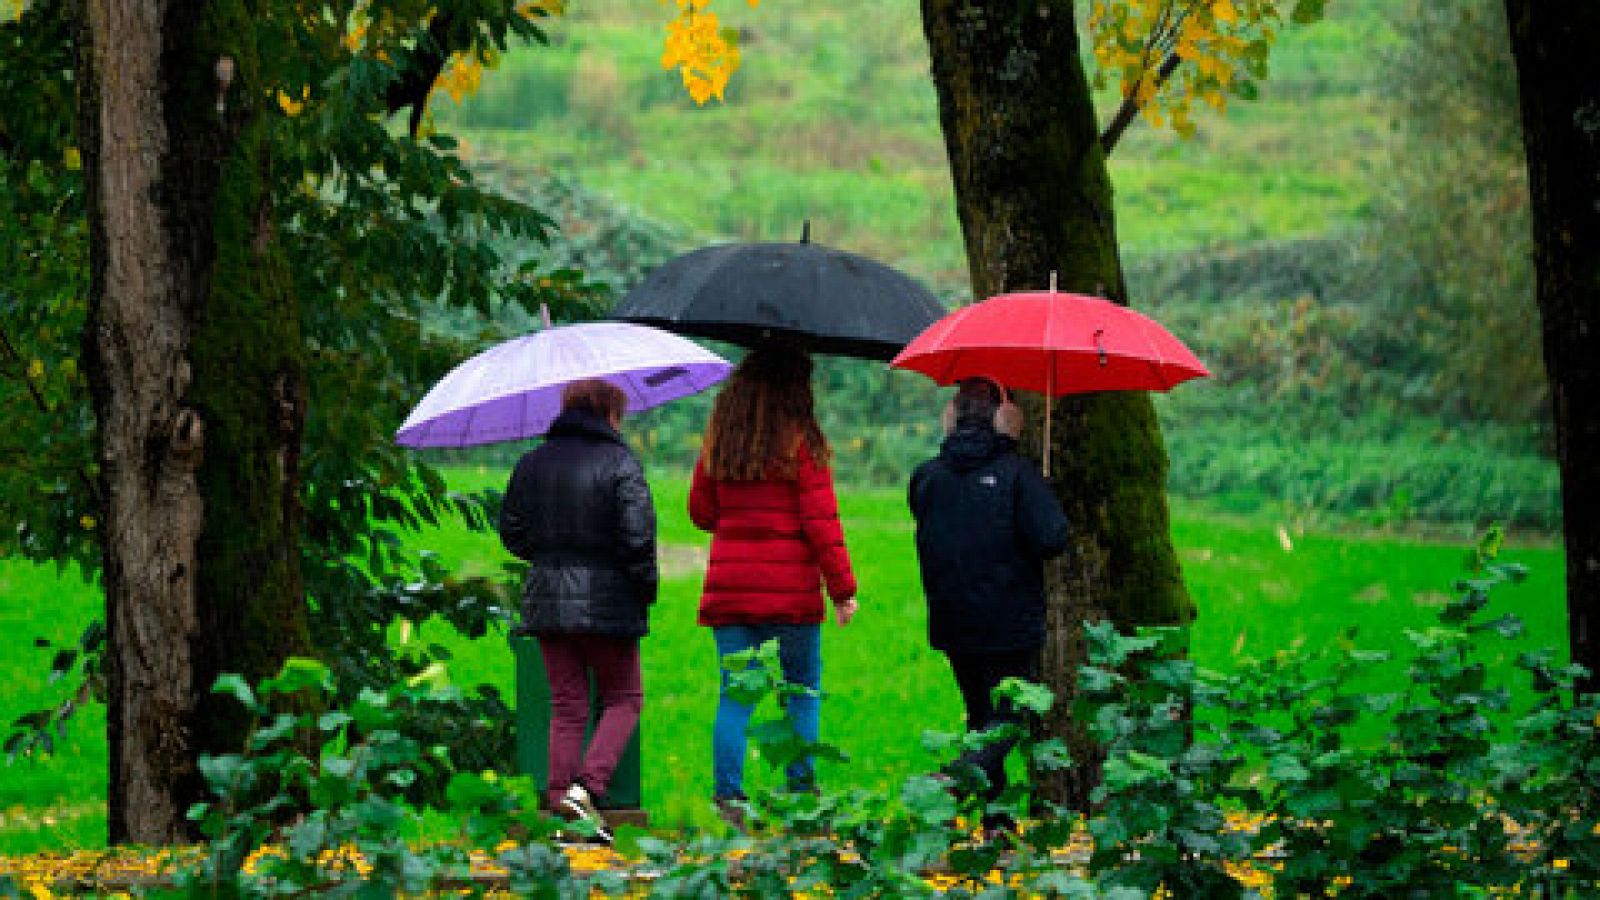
point(192, 350)
point(1552, 41)
point(136, 342)
point(1034, 198)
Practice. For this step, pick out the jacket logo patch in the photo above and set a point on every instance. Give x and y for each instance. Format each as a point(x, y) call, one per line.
point(988, 480)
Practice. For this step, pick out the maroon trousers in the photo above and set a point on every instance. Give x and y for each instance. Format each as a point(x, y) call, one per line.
point(568, 661)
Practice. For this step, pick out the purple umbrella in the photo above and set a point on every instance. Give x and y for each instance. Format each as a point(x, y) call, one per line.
point(513, 390)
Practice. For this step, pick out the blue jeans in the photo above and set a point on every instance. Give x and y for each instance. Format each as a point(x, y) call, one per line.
point(800, 656)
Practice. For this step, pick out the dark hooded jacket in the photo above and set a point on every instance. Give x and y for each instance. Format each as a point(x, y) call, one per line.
point(986, 522)
point(579, 511)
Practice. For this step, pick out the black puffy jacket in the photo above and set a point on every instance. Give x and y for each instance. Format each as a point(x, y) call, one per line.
point(579, 511)
point(986, 522)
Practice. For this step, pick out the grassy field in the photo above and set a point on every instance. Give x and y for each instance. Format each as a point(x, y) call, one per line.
point(833, 118)
point(1260, 585)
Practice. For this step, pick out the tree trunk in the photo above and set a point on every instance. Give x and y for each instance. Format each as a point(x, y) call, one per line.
point(1552, 41)
point(1034, 198)
point(192, 349)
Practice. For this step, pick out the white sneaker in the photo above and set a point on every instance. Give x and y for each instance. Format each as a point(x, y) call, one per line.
point(581, 806)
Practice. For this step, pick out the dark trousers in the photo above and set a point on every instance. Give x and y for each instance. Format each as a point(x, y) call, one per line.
point(568, 661)
point(977, 675)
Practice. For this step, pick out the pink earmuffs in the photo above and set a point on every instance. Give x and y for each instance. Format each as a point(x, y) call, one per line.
point(1007, 416)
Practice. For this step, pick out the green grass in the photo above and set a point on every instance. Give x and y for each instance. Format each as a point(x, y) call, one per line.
point(833, 117)
point(1260, 585)
point(59, 802)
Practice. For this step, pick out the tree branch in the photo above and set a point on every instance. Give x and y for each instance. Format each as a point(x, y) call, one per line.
point(27, 380)
point(89, 483)
point(1130, 105)
point(1165, 32)
point(428, 60)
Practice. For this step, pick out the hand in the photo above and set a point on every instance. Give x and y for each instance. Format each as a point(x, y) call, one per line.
point(845, 610)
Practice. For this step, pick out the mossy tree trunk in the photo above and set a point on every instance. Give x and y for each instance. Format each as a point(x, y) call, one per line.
point(1034, 198)
point(1552, 41)
point(194, 363)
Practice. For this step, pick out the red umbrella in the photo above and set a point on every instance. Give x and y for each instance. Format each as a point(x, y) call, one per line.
point(1053, 343)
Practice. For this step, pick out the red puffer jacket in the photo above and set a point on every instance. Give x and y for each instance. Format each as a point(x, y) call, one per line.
point(773, 543)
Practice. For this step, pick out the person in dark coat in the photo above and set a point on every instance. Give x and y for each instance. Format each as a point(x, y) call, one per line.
point(985, 523)
point(763, 488)
point(578, 510)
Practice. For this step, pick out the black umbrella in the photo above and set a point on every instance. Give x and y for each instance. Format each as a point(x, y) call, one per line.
point(827, 300)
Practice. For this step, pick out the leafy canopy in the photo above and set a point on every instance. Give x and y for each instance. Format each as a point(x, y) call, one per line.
point(1226, 43)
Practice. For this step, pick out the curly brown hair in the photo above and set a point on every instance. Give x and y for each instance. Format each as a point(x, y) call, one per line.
point(762, 416)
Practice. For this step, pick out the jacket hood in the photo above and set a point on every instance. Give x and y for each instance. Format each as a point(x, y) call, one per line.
point(969, 447)
point(579, 423)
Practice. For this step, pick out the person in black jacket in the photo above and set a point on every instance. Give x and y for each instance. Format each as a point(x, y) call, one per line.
point(986, 522)
point(578, 510)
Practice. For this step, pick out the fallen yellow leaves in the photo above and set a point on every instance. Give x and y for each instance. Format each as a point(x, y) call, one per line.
point(121, 871)
point(131, 870)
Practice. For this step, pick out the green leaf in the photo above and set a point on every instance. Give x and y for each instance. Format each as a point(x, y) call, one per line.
point(1026, 695)
point(297, 674)
point(234, 684)
point(1133, 769)
point(333, 721)
point(1287, 768)
point(470, 791)
point(1051, 756)
point(225, 773)
point(1507, 626)
point(928, 799)
point(1307, 11)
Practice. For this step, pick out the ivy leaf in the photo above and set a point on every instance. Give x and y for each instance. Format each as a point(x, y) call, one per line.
point(929, 799)
point(1026, 695)
point(234, 684)
point(297, 674)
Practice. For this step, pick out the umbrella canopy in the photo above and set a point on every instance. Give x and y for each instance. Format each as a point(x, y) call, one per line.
point(1054, 343)
point(827, 300)
point(513, 390)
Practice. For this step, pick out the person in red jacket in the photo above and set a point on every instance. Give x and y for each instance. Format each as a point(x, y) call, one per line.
point(763, 488)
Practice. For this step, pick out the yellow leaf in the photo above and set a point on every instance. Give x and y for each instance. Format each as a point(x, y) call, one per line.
point(291, 106)
point(461, 77)
point(699, 89)
point(1225, 12)
point(71, 159)
point(36, 369)
point(87, 522)
point(533, 9)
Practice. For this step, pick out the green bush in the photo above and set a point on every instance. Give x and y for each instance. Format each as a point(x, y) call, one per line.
point(1274, 768)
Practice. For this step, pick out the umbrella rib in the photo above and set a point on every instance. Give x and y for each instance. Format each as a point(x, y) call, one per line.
point(1156, 359)
point(627, 375)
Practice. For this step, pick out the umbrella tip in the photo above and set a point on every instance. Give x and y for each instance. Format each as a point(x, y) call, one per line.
point(544, 314)
point(805, 231)
point(1052, 281)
